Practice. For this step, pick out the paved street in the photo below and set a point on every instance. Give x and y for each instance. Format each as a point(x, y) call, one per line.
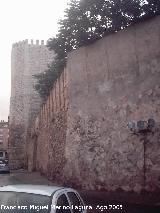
point(99, 200)
point(22, 177)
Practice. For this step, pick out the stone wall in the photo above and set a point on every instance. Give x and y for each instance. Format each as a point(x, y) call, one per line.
point(46, 144)
point(112, 82)
point(27, 60)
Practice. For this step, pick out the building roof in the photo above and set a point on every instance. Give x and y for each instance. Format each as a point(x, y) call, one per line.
point(32, 189)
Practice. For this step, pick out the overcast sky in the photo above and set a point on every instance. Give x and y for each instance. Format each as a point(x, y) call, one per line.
point(19, 20)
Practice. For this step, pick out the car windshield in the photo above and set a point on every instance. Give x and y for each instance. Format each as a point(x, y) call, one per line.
point(14, 202)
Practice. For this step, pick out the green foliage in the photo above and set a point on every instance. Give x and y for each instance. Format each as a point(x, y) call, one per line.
point(86, 21)
point(46, 79)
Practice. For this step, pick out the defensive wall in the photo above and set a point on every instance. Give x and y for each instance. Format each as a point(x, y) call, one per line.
point(46, 141)
point(87, 143)
point(28, 58)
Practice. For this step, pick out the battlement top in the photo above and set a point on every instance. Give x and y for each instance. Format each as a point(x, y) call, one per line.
point(30, 42)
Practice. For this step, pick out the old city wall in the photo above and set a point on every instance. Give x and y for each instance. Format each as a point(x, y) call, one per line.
point(27, 59)
point(112, 82)
point(46, 143)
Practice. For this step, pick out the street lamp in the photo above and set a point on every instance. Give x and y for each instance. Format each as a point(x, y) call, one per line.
point(141, 128)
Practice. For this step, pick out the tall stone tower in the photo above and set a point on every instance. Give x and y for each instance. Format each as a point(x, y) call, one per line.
point(27, 59)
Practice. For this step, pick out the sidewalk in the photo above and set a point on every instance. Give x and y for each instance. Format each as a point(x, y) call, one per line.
point(25, 177)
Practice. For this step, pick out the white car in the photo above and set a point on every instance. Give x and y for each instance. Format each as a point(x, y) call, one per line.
point(41, 199)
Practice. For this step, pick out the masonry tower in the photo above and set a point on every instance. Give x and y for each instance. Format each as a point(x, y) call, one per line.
point(27, 59)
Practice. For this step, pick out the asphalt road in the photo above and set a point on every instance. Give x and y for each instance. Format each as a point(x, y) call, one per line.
point(98, 201)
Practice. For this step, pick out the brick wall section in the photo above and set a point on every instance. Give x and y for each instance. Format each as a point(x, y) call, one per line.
point(112, 82)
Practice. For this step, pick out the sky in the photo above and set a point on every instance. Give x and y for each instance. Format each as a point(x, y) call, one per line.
point(20, 20)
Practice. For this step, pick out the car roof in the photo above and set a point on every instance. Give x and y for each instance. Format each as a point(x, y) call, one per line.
point(32, 189)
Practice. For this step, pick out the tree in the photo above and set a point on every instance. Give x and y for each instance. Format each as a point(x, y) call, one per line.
point(86, 21)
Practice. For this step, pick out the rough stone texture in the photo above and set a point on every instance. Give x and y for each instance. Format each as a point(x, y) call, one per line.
point(26, 61)
point(46, 147)
point(46, 143)
point(51, 155)
point(112, 82)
